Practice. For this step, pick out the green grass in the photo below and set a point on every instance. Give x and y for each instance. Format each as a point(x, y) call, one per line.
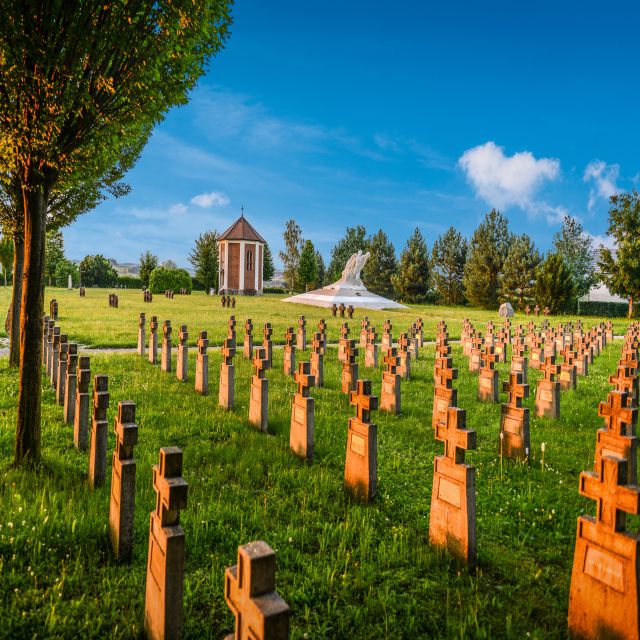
point(347, 570)
point(91, 321)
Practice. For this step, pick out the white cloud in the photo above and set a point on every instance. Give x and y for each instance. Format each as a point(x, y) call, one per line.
point(212, 199)
point(604, 178)
point(178, 209)
point(503, 180)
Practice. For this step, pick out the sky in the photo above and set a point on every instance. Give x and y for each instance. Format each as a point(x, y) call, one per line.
point(394, 116)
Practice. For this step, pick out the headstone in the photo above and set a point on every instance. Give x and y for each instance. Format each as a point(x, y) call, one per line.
point(548, 390)
point(71, 384)
point(537, 353)
point(142, 338)
point(342, 342)
point(603, 599)
point(289, 360)
point(519, 361)
point(334, 310)
point(81, 413)
point(202, 365)
point(514, 420)
point(53, 357)
point(267, 343)
point(123, 482)
point(259, 399)
point(226, 394)
point(301, 435)
point(165, 364)
point(371, 350)
point(248, 339)
point(568, 370)
point(250, 593)
point(475, 359)
point(390, 393)
point(99, 432)
point(182, 364)
point(45, 335)
point(153, 340)
point(82, 291)
point(349, 378)
point(61, 378)
point(165, 560)
point(364, 331)
point(420, 332)
point(387, 339)
point(452, 521)
point(361, 465)
point(69, 283)
point(341, 309)
point(488, 379)
point(322, 328)
point(350, 311)
point(404, 369)
point(317, 359)
point(444, 395)
point(301, 336)
point(626, 380)
point(231, 331)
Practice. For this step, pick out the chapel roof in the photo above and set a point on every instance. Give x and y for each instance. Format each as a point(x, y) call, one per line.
point(242, 230)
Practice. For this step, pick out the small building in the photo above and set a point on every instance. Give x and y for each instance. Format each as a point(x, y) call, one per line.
point(241, 251)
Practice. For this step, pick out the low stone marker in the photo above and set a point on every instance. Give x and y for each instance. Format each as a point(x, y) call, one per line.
point(182, 363)
point(226, 393)
point(387, 339)
point(81, 413)
point(548, 390)
point(165, 560)
point(53, 309)
point(289, 359)
point(202, 365)
point(444, 395)
point(259, 399)
point(361, 465)
point(153, 340)
point(342, 342)
point(514, 420)
point(250, 593)
point(488, 379)
point(82, 291)
point(349, 377)
point(371, 350)
point(61, 377)
point(390, 393)
point(618, 438)
point(248, 339)
point(536, 358)
point(603, 599)
point(334, 310)
point(301, 434)
point(475, 359)
point(167, 329)
point(267, 343)
point(123, 482)
point(519, 361)
point(452, 521)
point(322, 328)
point(69, 405)
point(231, 331)
point(147, 296)
point(626, 380)
point(420, 332)
point(317, 359)
point(364, 330)
point(99, 432)
point(45, 336)
point(568, 370)
point(405, 359)
point(341, 309)
point(350, 311)
point(301, 335)
point(53, 357)
point(142, 337)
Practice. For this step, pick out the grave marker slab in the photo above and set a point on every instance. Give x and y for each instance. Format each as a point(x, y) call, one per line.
point(142, 338)
point(548, 390)
point(167, 329)
point(81, 413)
point(301, 434)
point(349, 377)
point(153, 340)
point(99, 428)
point(71, 384)
point(259, 399)
point(61, 378)
point(182, 364)
point(289, 359)
point(390, 400)
point(301, 336)
point(248, 339)
point(317, 359)
point(202, 365)
point(226, 393)
point(515, 441)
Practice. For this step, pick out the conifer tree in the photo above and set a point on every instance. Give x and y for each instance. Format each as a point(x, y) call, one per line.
point(292, 237)
point(487, 252)
point(554, 285)
point(267, 265)
point(322, 271)
point(381, 265)
point(148, 262)
point(204, 259)
point(519, 274)
point(448, 258)
point(411, 282)
point(355, 239)
point(308, 267)
point(576, 247)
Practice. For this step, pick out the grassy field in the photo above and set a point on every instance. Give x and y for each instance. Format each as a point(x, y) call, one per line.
point(347, 570)
point(91, 321)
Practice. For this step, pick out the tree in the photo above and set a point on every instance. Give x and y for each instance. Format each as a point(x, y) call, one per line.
point(204, 259)
point(487, 252)
point(354, 240)
point(65, 269)
point(78, 80)
point(620, 269)
point(97, 271)
point(322, 272)
point(411, 282)
point(53, 254)
point(554, 286)
point(519, 272)
point(448, 259)
point(576, 248)
point(268, 270)
point(6, 256)
point(292, 236)
point(381, 265)
point(163, 279)
point(308, 267)
point(148, 262)
point(169, 264)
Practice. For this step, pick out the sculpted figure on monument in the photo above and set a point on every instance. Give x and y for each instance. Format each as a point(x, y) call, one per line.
point(352, 270)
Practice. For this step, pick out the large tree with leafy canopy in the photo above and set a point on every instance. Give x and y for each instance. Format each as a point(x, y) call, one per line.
point(576, 248)
point(204, 259)
point(78, 79)
point(620, 268)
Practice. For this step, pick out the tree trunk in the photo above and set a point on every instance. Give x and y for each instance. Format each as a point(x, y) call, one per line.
point(27, 449)
point(630, 315)
point(16, 301)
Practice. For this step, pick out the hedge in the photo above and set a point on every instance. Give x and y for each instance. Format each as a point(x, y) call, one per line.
point(129, 282)
point(603, 309)
point(274, 290)
point(161, 280)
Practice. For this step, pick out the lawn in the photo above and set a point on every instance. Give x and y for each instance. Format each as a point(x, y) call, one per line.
point(347, 570)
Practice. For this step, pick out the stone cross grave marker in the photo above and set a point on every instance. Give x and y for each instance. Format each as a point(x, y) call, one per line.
point(334, 309)
point(626, 380)
point(202, 365)
point(364, 330)
point(618, 438)
point(420, 332)
point(167, 329)
point(500, 347)
point(45, 335)
point(301, 435)
point(53, 309)
point(267, 343)
point(475, 359)
point(289, 358)
point(123, 482)
point(142, 337)
point(342, 342)
point(248, 339)
point(53, 357)
point(231, 330)
point(322, 328)
point(515, 442)
point(349, 378)
point(444, 395)
point(452, 522)
point(603, 599)
point(548, 390)
point(250, 593)
point(350, 311)
point(259, 399)
point(165, 560)
point(99, 432)
point(537, 358)
point(387, 339)
point(182, 363)
point(317, 359)
point(70, 384)
point(390, 399)
point(226, 393)
point(341, 309)
point(361, 465)
point(488, 379)
point(371, 349)
point(81, 413)
point(412, 348)
point(61, 378)
point(301, 336)
point(405, 359)
point(153, 340)
point(568, 370)
point(519, 360)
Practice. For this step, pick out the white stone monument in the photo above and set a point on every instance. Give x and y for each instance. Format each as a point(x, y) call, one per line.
point(70, 283)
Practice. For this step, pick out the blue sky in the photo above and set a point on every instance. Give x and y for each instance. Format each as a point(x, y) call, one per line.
point(390, 115)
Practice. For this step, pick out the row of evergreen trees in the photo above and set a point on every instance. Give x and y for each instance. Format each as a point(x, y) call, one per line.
point(495, 266)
